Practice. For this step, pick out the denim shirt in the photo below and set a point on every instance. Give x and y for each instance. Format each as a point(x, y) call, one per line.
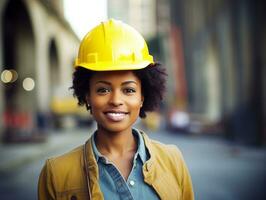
point(112, 183)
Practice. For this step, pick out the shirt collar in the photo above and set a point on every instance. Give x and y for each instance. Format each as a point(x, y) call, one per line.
point(95, 150)
point(141, 151)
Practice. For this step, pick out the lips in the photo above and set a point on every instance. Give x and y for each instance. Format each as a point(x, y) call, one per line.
point(115, 116)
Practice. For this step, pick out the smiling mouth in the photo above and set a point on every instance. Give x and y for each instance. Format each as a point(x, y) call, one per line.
point(115, 116)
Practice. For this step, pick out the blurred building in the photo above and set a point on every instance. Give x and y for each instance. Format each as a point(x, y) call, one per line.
point(37, 52)
point(224, 45)
point(138, 13)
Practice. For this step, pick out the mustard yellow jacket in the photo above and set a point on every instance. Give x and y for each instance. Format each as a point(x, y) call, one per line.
point(63, 177)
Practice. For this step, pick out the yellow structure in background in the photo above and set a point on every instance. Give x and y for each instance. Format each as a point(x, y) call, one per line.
point(67, 106)
point(152, 121)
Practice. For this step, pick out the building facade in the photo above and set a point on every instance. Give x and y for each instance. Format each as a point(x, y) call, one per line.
point(37, 52)
point(224, 47)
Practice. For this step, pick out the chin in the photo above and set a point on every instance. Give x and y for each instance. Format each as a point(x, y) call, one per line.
point(115, 128)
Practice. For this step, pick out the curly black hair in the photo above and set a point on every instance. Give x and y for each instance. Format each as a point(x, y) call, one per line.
point(152, 77)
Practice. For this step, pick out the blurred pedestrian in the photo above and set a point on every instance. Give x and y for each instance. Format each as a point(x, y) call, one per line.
point(118, 81)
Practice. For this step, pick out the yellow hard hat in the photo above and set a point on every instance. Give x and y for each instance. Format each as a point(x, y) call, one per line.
point(113, 45)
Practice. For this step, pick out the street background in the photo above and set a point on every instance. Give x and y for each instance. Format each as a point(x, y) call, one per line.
point(214, 109)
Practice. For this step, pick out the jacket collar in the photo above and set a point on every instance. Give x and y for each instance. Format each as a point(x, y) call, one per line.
point(93, 172)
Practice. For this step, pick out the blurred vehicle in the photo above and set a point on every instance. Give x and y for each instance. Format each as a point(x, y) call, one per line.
point(178, 121)
point(183, 122)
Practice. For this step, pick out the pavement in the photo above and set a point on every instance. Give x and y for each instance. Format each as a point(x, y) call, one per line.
point(15, 155)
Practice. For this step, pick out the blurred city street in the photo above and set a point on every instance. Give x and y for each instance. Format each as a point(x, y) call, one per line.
point(213, 53)
point(219, 169)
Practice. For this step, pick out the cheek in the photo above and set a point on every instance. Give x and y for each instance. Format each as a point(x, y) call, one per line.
point(136, 103)
point(98, 103)
point(95, 101)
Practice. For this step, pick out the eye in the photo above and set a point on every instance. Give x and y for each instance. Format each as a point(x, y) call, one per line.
point(129, 90)
point(102, 90)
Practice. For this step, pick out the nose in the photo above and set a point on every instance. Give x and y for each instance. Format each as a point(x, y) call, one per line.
point(116, 98)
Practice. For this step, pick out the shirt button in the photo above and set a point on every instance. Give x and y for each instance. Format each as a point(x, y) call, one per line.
point(132, 183)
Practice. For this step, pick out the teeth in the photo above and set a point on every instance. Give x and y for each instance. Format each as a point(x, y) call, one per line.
point(116, 116)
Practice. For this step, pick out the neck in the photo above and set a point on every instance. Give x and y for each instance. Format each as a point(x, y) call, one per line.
point(115, 143)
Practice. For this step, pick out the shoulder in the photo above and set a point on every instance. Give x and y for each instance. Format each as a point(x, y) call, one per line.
point(72, 154)
point(66, 161)
point(63, 176)
point(64, 172)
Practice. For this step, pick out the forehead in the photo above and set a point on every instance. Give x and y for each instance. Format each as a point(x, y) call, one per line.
point(114, 76)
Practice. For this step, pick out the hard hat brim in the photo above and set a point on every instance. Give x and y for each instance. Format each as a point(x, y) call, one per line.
point(114, 67)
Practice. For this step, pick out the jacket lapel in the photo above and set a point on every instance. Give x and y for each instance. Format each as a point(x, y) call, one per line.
point(93, 172)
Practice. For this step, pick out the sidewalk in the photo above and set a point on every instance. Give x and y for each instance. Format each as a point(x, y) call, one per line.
point(15, 155)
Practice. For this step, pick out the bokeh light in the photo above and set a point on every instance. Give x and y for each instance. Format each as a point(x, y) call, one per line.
point(28, 84)
point(9, 76)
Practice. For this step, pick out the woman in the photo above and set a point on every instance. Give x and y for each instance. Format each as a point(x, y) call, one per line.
point(118, 81)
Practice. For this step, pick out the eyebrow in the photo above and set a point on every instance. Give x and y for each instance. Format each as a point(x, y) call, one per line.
point(124, 83)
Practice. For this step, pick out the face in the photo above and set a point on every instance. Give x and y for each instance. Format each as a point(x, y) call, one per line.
point(115, 99)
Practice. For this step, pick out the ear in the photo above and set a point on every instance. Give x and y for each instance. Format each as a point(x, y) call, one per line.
point(88, 104)
point(88, 99)
point(142, 100)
